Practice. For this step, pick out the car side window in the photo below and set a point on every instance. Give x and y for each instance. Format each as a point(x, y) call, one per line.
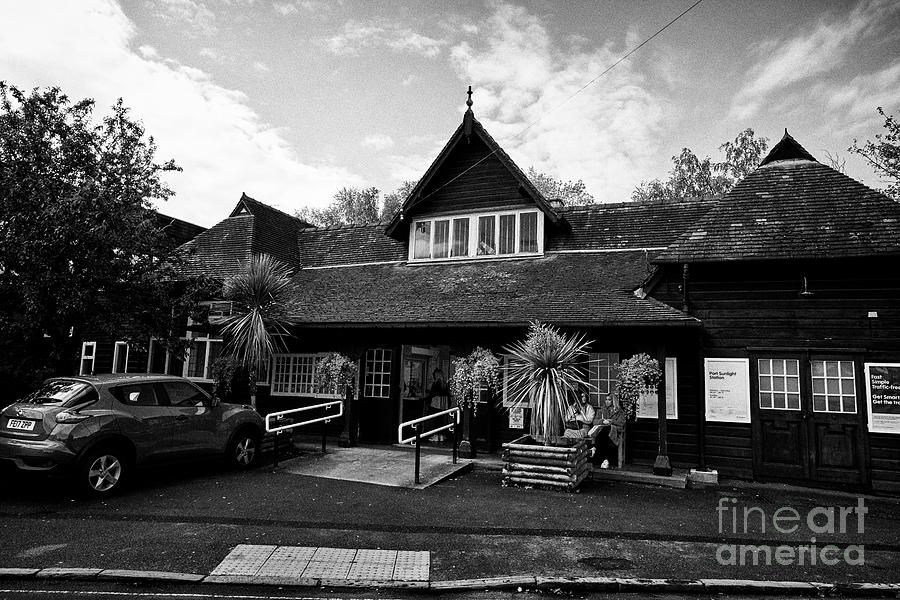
point(184, 394)
point(137, 394)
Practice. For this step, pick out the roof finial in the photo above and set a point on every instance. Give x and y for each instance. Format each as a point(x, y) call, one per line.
point(468, 117)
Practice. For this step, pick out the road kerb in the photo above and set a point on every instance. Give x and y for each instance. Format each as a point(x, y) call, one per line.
point(134, 575)
point(67, 573)
point(485, 583)
point(16, 573)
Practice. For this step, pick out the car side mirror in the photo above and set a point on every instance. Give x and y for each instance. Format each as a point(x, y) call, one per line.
point(214, 401)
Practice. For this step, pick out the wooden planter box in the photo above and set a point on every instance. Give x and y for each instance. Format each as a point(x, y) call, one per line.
point(561, 466)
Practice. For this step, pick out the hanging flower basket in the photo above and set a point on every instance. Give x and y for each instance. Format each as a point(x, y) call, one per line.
point(473, 373)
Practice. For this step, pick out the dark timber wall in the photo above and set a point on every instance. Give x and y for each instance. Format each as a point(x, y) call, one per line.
point(745, 305)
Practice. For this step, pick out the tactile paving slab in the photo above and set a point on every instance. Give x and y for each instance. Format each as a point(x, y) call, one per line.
point(306, 565)
point(245, 559)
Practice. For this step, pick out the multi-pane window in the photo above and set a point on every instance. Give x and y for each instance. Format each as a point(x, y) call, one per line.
point(88, 354)
point(162, 360)
point(528, 232)
point(120, 358)
point(833, 386)
point(484, 235)
point(378, 373)
point(460, 245)
point(779, 383)
point(487, 234)
point(202, 353)
point(294, 374)
point(422, 239)
point(602, 376)
point(441, 239)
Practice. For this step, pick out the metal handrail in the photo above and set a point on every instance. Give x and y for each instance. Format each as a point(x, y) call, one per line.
point(415, 422)
point(281, 413)
point(417, 438)
point(326, 419)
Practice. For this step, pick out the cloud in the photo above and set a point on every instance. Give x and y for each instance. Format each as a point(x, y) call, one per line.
point(292, 7)
point(261, 67)
point(522, 79)
point(195, 14)
point(378, 141)
point(222, 144)
point(821, 48)
point(356, 36)
point(856, 99)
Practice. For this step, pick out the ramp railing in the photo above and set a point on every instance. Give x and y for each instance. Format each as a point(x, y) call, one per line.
point(418, 424)
point(277, 416)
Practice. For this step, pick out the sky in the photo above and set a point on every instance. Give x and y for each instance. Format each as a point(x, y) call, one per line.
point(291, 100)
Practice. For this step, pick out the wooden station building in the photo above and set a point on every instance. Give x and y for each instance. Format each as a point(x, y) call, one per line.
point(770, 307)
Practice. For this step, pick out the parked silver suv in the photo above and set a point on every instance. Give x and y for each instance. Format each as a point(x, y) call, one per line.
point(103, 426)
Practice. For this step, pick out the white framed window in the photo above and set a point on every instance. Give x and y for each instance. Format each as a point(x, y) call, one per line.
point(648, 403)
point(833, 386)
point(295, 375)
point(378, 373)
point(477, 235)
point(88, 355)
point(602, 375)
point(779, 383)
point(120, 357)
point(201, 354)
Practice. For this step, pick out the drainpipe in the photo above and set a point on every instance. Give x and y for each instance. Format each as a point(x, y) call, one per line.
point(685, 276)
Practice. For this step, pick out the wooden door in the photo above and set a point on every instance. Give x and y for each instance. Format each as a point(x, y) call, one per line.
point(377, 419)
point(808, 419)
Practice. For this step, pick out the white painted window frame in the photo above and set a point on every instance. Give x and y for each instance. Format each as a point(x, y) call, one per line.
point(473, 236)
point(117, 348)
point(273, 374)
point(389, 353)
point(825, 378)
point(207, 368)
point(92, 357)
point(771, 374)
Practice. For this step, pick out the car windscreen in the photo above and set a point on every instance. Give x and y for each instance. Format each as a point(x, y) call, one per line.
point(58, 391)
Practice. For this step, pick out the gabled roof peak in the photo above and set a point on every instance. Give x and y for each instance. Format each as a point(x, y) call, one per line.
point(787, 149)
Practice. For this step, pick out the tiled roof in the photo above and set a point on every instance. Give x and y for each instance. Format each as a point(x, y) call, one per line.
point(252, 228)
point(176, 230)
point(793, 208)
point(563, 288)
point(628, 225)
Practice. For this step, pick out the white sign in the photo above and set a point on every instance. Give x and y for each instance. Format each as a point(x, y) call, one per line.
point(883, 395)
point(727, 383)
point(648, 403)
point(517, 418)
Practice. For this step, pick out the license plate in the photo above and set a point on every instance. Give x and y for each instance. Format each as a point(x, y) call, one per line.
point(20, 424)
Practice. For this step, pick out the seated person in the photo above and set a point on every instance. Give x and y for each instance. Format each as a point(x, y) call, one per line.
point(579, 417)
point(608, 438)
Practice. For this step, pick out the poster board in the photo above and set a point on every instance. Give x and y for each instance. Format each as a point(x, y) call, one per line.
point(517, 418)
point(648, 403)
point(727, 385)
point(883, 397)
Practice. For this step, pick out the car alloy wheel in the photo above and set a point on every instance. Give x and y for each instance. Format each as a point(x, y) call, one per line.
point(245, 451)
point(104, 473)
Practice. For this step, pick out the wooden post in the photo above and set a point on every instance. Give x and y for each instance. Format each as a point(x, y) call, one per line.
point(466, 447)
point(662, 466)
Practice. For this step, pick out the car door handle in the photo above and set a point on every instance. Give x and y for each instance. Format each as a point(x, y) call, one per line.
point(181, 418)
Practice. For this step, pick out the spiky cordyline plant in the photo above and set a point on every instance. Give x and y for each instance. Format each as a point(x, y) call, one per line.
point(544, 369)
point(263, 307)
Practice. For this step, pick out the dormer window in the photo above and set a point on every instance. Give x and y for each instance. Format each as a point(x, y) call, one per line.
point(481, 235)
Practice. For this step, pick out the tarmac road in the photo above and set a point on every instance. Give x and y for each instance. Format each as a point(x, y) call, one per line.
point(188, 518)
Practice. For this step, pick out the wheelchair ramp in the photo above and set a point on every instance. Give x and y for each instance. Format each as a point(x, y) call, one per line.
point(380, 466)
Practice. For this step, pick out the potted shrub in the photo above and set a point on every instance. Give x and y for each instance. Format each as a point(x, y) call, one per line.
point(636, 376)
point(338, 372)
point(545, 370)
point(473, 374)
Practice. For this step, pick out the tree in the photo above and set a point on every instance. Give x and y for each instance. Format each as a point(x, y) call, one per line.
point(571, 193)
point(692, 177)
point(79, 246)
point(263, 311)
point(884, 154)
point(349, 206)
point(394, 200)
